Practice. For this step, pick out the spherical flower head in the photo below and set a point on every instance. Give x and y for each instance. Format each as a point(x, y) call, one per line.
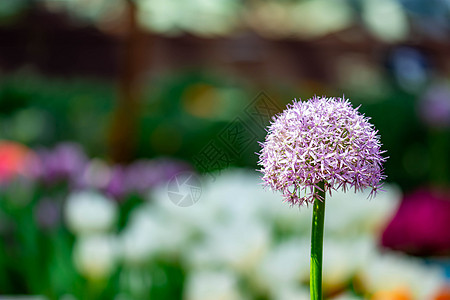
point(322, 140)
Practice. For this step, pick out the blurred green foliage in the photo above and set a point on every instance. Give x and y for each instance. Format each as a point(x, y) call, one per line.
point(181, 113)
point(40, 111)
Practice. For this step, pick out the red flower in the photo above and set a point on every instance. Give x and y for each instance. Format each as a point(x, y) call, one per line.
point(14, 159)
point(421, 224)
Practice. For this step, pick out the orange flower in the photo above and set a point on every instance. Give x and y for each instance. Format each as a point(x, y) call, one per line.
point(395, 294)
point(443, 294)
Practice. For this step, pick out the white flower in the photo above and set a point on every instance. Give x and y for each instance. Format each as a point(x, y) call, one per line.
point(285, 265)
point(194, 217)
point(139, 242)
point(342, 260)
point(212, 285)
point(394, 271)
point(293, 293)
point(95, 256)
point(239, 245)
point(151, 232)
point(88, 212)
point(234, 195)
point(349, 214)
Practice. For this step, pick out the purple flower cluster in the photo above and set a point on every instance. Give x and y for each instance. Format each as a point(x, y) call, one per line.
point(321, 140)
point(68, 164)
point(142, 175)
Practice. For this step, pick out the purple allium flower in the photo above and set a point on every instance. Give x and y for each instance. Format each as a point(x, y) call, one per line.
point(321, 140)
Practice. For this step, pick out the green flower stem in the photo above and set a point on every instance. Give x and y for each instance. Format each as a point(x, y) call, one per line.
point(317, 245)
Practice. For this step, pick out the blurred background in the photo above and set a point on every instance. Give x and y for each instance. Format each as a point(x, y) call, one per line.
point(103, 103)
